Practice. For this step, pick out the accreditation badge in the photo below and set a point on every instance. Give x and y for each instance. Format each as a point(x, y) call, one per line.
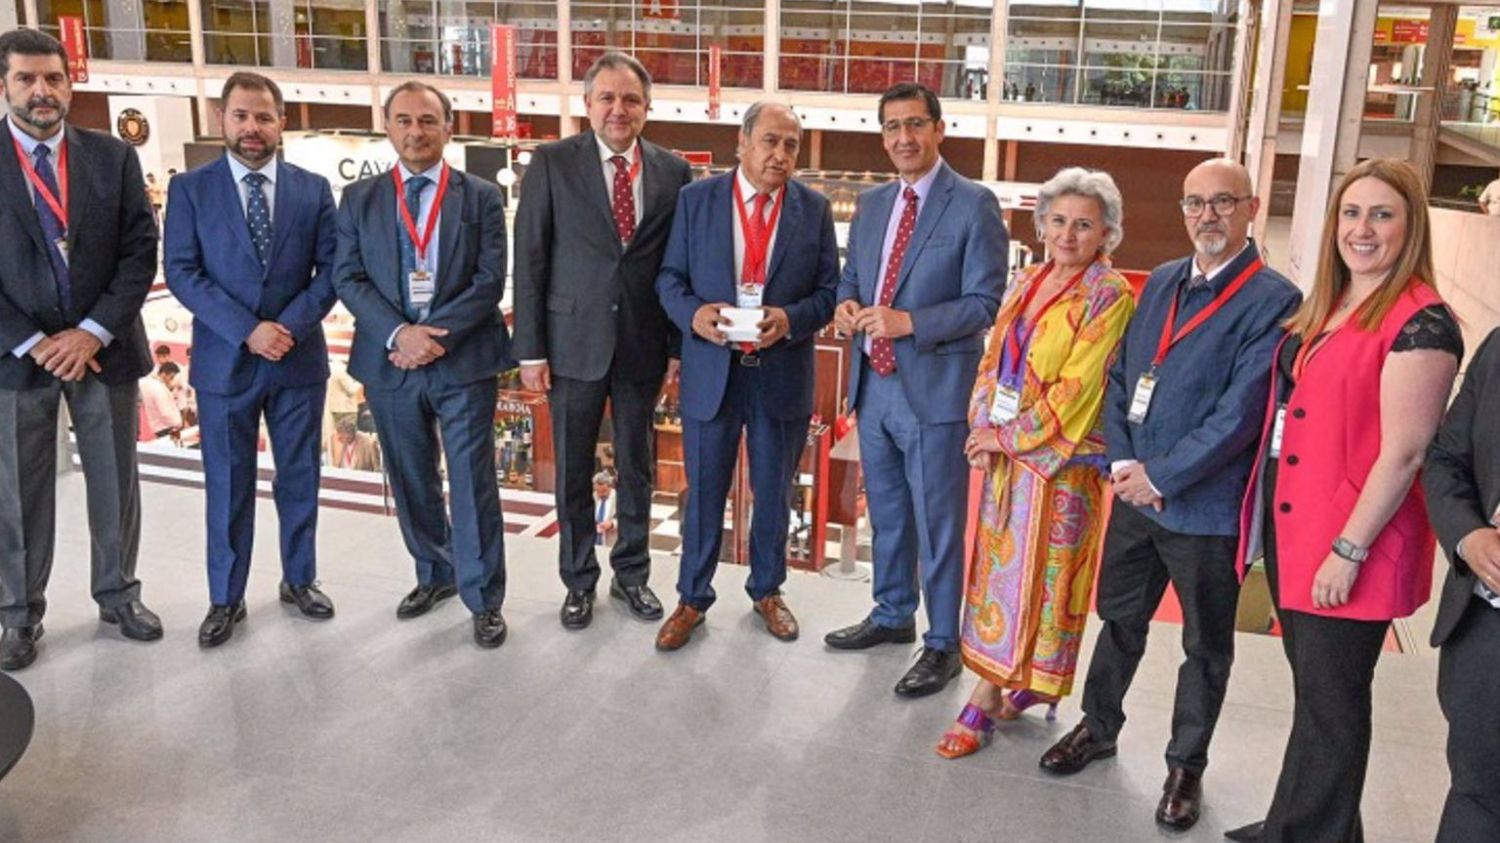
point(1006, 405)
point(749, 295)
point(420, 288)
point(1276, 428)
point(1140, 403)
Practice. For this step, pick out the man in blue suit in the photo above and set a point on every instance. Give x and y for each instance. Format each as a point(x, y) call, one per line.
point(423, 276)
point(249, 245)
point(925, 270)
point(751, 240)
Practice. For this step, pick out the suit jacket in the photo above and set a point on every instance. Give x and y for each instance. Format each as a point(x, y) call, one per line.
point(1462, 476)
point(802, 278)
point(212, 268)
point(583, 301)
point(112, 258)
point(471, 280)
point(1198, 440)
point(950, 282)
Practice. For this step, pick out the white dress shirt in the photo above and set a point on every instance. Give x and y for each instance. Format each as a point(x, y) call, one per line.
point(429, 196)
point(923, 187)
point(238, 170)
point(747, 193)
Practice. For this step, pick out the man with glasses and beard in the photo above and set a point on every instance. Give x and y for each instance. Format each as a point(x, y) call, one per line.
point(70, 329)
point(249, 244)
point(1183, 413)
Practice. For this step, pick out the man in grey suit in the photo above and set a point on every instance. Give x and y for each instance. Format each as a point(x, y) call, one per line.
point(423, 277)
point(591, 229)
point(70, 329)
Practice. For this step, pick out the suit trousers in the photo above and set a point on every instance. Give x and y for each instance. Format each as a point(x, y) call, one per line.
point(413, 422)
point(577, 411)
point(104, 423)
point(710, 448)
point(917, 488)
point(1469, 690)
point(229, 426)
point(1328, 751)
point(1140, 558)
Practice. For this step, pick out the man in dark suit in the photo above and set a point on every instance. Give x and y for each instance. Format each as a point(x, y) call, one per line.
point(1183, 412)
point(70, 328)
point(423, 276)
point(249, 246)
point(926, 267)
point(593, 222)
point(1462, 482)
point(750, 243)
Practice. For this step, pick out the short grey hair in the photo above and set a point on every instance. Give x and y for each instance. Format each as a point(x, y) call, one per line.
point(1090, 184)
point(752, 114)
point(617, 61)
point(604, 478)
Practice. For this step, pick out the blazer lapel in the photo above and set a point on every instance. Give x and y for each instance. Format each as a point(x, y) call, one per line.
point(726, 217)
point(587, 168)
point(655, 191)
point(13, 183)
point(927, 220)
point(388, 253)
point(448, 227)
point(787, 229)
point(881, 207)
point(234, 211)
point(80, 187)
point(283, 209)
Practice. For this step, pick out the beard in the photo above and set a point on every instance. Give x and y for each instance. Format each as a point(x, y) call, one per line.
point(237, 146)
point(1211, 243)
point(26, 113)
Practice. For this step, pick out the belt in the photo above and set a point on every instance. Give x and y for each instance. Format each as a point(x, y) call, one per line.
point(750, 359)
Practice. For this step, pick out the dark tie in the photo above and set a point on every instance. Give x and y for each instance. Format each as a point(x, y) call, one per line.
point(258, 215)
point(53, 229)
point(1197, 282)
point(414, 187)
point(623, 200)
point(882, 351)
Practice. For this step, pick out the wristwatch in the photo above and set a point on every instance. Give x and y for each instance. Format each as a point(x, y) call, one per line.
point(1345, 549)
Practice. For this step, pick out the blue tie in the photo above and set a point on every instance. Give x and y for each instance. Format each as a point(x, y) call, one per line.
point(53, 228)
point(414, 187)
point(258, 216)
point(599, 518)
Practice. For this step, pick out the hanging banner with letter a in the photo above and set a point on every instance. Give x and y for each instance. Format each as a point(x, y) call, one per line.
point(503, 80)
point(70, 30)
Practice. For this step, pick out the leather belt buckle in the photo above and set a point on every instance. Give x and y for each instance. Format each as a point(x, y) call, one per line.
point(749, 360)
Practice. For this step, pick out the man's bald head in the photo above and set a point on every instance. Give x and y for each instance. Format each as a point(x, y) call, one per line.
point(1218, 207)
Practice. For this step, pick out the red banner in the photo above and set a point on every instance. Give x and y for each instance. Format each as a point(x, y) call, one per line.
point(715, 65)
point(503, 80)
point(71, 32)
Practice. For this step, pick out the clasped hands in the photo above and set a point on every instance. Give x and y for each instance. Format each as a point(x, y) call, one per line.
point(416, 346)
point(68, 355)
point(773, 328)
point(1132, 486)
point(876, 321)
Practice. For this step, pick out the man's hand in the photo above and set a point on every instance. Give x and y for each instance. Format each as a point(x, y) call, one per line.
point(706, 323)
point(845, 316)
point(68, 355)
point(1334, 581)
point(270, 340)
point(1134, 487)
point(883, 323)
point(674, 370)
point(536, 377)
point(416, 346)
point(1482, 554)
point(774, 327)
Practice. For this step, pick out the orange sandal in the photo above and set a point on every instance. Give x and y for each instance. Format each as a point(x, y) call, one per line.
point(956, 744)
point(1016, 702)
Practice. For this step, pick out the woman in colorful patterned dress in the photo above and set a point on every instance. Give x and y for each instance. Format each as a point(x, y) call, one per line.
point(1038, 437)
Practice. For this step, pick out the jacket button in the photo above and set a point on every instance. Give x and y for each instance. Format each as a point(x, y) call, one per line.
point(1285, 507)
point(1291, 459)
point(614, 308)
point(1299, 413)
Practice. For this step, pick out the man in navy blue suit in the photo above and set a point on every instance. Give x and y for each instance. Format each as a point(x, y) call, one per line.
point(926, 266)
point(249, 246)
point(750, 240)
point(423, 275)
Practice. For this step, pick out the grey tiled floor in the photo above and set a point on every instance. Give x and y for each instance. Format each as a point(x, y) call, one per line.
point(369, 729)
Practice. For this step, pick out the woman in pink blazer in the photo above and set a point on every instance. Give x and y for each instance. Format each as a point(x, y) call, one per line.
point(1358, 389)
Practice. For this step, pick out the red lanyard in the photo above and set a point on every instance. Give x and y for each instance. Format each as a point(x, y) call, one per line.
point(1017, 336)
point(757, 242)
point(420, 243)
point(1169, 339)
point(58, 206)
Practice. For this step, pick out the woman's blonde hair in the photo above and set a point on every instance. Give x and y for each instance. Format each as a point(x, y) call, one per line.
point(1412, 266)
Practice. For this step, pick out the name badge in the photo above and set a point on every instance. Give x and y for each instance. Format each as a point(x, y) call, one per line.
point(749, 295)
point(1005, 406)
point(1276, 428)
point(420, 288)
point(62, 249)
point(1140, 403)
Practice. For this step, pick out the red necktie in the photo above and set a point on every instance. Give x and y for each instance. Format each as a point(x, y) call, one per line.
point(756, 274)
point(882, 352)
point(623, 202)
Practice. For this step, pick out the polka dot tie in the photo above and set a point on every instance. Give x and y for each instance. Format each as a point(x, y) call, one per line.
point(882, 351)
point(258, 215)
point(623, 199)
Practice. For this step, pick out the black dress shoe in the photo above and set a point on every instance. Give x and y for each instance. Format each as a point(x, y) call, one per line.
point(932, 672)
point(219, 626)
point(577, 609)
point(1181, 800)
point(309, 599)
point(489, 629)
point(1246, 833)
point(640, 599)
point(18, 647)
point(135, 621)
point(422, 600)
point(1075, 751)
point(867, 634)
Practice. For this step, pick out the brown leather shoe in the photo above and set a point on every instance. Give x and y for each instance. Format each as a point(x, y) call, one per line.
point(678, 628)
point(1075, 751)
point(1180, 800)
point(779, 620)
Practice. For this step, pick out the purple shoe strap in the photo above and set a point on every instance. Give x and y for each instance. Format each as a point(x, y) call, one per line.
point(974, 718)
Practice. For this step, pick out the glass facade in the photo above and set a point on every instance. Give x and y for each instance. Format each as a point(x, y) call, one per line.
point(671, 38)
point(308, 34)
point(452, 37)
point(126, 30)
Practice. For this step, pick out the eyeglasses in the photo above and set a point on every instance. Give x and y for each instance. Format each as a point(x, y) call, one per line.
point(911, 124)
point(1223, 204)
